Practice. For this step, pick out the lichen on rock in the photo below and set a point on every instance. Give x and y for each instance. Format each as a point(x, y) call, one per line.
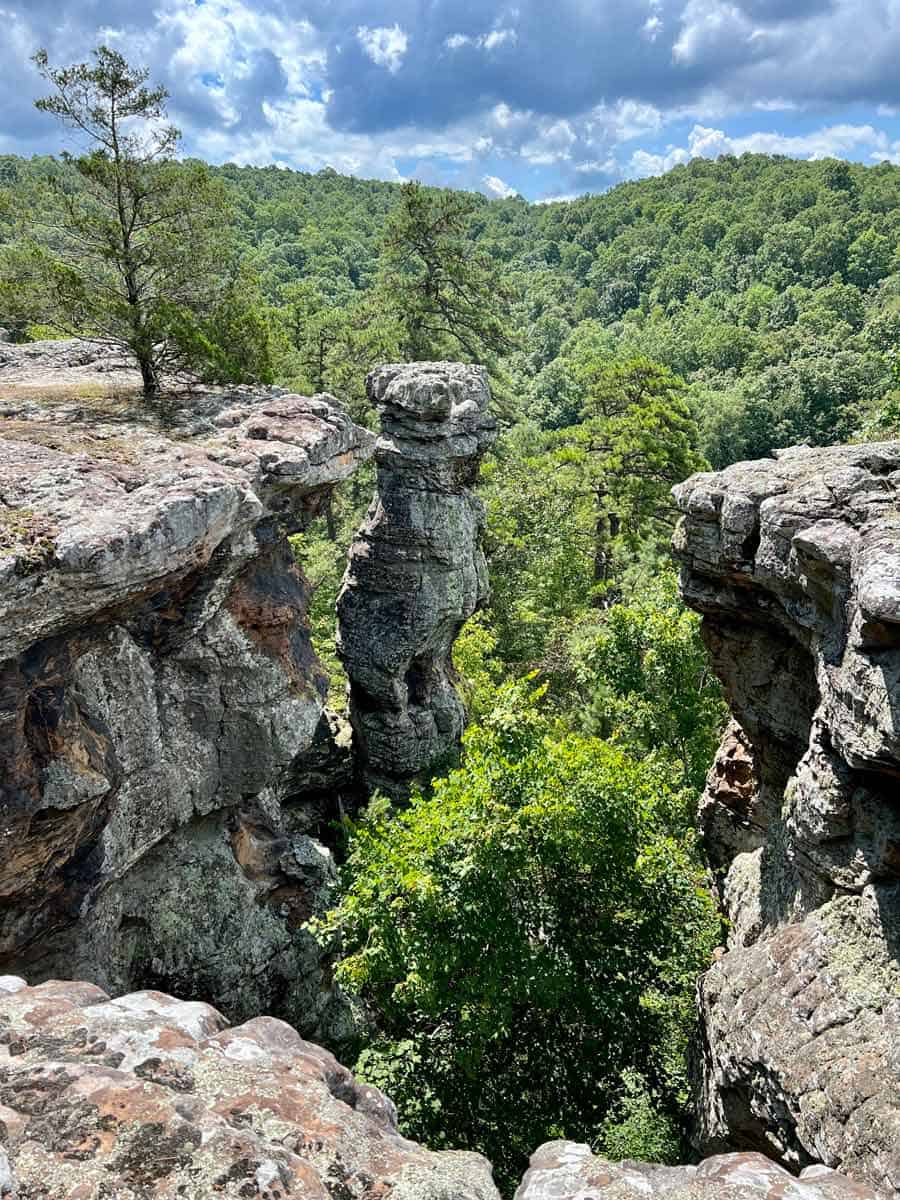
point(159, 689)
point(794, 563)
point(416, 570)
point(147, 1095)
point(569, 1171)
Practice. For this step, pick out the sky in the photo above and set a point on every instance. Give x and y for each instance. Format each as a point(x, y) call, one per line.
point(545, 98)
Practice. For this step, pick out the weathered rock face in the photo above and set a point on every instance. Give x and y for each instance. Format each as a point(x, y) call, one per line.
point(151, 1096)
point(568, 1171)
point(416, 570)
point(795, 565)
point(159, 694)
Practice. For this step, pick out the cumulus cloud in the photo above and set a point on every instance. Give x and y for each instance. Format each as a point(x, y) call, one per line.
point(385, 46)
point(555, 97)
point(551, 142)
point(496, 187)
point(832, 141)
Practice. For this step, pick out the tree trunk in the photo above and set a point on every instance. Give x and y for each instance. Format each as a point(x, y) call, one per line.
point(606, 528)
point(329, 521)
point(149, 376)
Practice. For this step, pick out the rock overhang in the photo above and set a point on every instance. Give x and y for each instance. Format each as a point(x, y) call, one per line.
point(94, 512)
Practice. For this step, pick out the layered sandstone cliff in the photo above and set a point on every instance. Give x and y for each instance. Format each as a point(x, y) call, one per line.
point(795, 565)
point(159, 697)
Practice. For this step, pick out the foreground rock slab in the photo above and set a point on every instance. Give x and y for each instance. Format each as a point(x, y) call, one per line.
point(150, 1096)
point(159, 695)
point(416, 571)
point(568, 1171)
point(794, 563)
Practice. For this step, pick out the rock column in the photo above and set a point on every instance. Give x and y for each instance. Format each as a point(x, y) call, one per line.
point(416, 570)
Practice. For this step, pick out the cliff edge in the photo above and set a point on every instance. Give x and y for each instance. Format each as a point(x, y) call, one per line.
point(794, 563)
point(159, 695)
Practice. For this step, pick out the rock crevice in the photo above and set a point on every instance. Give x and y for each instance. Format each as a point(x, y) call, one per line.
point(159, 695)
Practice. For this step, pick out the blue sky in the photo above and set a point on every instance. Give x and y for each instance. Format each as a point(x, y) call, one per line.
point(548, 98)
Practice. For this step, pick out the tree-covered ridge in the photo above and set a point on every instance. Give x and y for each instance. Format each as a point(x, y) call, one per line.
point(715, 313)
point(770, 285)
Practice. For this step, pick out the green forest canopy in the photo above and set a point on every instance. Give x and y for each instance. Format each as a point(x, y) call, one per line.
point(772, 286)
point(714, 313)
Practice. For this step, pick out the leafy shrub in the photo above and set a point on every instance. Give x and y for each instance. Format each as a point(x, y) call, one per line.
point(523, 936)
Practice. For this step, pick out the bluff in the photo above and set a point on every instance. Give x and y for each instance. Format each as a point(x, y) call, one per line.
point(169, 774)
point(794, 563)
point(167, 766)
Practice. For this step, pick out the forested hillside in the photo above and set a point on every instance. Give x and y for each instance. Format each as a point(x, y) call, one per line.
point(772, 286)
point(525, 937)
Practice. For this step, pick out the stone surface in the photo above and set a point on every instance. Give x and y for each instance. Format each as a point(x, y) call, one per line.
point(794, 563)
point(58, 366)
point(149, 1096)
point(568, 1171)
point(159, 695)
point(416, 569)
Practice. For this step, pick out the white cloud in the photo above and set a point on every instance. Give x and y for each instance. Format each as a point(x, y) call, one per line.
point(497, 187)
point(550, 144)
point(623, 121)
point(385, 45)
point(485, 41)
point(498, 37)
point(776, 104)
point(652, 28)
point(712, 28)
point(609, 166)
point(832, 141)
point(217, 37)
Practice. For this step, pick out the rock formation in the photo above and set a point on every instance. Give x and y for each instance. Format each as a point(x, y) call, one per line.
point(159, 695)
point(795, 565)
point(149, 1096)
point(416, 570)
point(568, 1171)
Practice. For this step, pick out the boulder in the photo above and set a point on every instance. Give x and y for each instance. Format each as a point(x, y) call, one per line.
point(568, 1171)
point(146, 1095)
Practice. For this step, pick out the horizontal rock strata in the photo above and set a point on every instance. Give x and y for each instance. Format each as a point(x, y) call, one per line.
point(159, 693)
point(794, 563)
point(416, 571)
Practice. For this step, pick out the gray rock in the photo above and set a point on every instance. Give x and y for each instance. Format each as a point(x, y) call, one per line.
point(148, 1095)
point(159, 696)
point(416, 570)
point(794, 564)
point(8, 1185)
point(568, 1171)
